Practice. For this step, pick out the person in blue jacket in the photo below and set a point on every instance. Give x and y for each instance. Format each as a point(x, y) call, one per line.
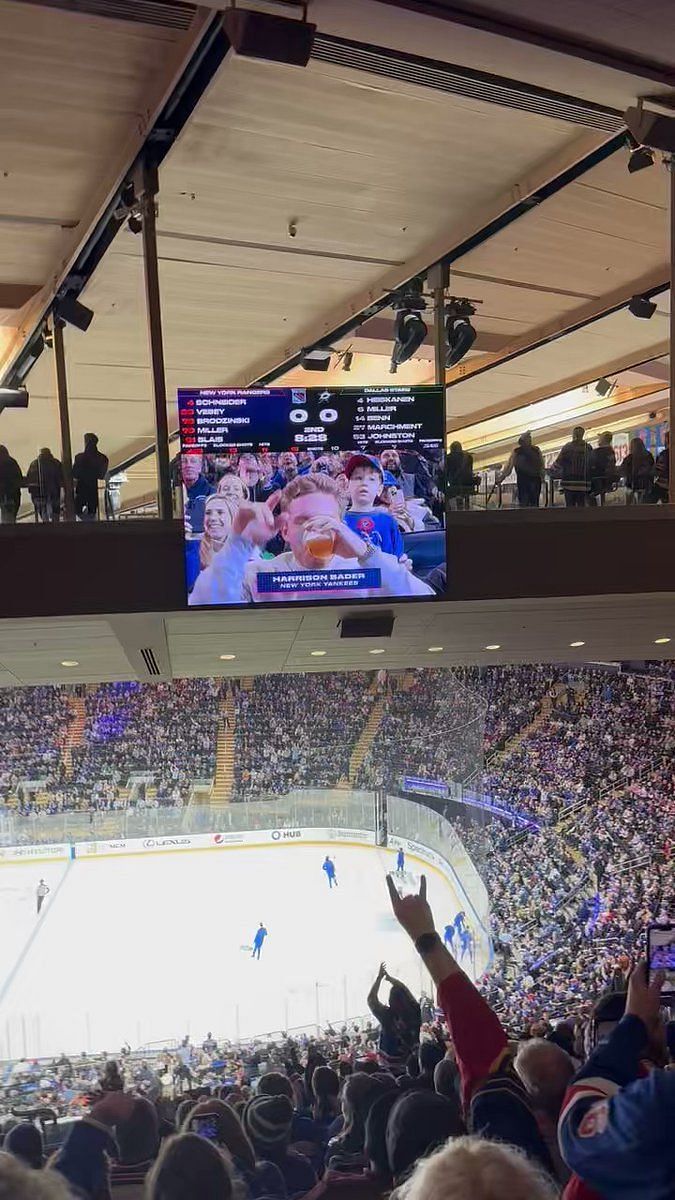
point(329, 867)
point(365, 479)
point(617, 1120)
point(260, 935)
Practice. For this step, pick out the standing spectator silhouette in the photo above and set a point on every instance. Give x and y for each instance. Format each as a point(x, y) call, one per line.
point(88, 467)
point(573, 465)
point(637, 469)
point(528, 462)
point(662, 474)
point(603, 468)
point(10, 486)
point(45, 481)
point(459, 475)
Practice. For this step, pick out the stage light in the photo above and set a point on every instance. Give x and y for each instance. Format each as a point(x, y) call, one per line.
point(605, 387)
point(317, 359)
point(26, 363)
point(74, 313)
point(135, 224)
point(641, 307)
point(459, 332)
point(409, 333)
point(13, 398)
point(640, 157)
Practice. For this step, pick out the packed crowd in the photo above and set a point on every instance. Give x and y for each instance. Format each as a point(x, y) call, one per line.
point(428, 1103)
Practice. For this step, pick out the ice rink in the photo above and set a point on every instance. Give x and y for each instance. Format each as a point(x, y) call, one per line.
point(144, 948)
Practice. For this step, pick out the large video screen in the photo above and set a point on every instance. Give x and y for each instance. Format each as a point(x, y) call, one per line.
point(300, 495)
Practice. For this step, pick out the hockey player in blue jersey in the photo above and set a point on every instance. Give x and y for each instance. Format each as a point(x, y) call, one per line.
point(465, 943)
point(449, 936)
point(400, 863)
point(260, 935)
point(460, 922)
point(329, 867)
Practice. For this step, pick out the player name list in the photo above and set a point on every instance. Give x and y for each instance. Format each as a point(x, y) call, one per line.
point(279, 418)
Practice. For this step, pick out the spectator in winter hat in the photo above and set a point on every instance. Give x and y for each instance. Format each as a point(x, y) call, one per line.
point(419, 1123)
point(25, 1142)
point(268, 1121)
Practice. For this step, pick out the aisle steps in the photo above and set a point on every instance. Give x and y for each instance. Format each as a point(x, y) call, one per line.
point(223, 782)
point(366, 739)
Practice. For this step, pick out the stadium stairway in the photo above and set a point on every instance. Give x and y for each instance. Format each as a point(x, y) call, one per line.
point(541, 716)
point(366, 739)
point(74, 732)
point(223, 782)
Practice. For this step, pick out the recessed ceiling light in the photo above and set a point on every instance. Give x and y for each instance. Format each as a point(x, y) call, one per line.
point(576, 644)
point(227, 657)
point(376, 651)
point(70, 662)
point(493, 646)
point(434, 649)
point(661, 641)
point(317, 653)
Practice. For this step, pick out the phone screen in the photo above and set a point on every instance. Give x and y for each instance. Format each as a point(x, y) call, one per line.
point(206, 1127)
point(661, 950)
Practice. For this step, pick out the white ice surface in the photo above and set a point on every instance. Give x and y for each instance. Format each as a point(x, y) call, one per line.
point(148, 947)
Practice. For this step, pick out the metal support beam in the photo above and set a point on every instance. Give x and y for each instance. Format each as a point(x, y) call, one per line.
point(147, 190)
point(438, 278)
point(671, 361)
point(64, 416)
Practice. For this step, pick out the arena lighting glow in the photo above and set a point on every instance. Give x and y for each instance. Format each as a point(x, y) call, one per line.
point(227, 657)
point(576, 644)
point(70, 662)
point(661, 641)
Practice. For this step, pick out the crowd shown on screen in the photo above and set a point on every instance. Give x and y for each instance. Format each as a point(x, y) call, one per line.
point(430, 1102)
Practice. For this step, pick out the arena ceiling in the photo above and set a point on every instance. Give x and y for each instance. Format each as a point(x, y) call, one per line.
point(191, 644)
point(382, 161)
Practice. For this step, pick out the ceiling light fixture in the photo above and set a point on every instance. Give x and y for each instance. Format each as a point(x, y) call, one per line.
point(434, 649)
point(69, 662)
point(639, 158)
point(493, 646)
point(605, 387)
point(376, 651)
point(227, 657)
point(575, 645)
point(317, 653)
point(316, 359)
point(642, 307)
point(459, 332)
point(409, 330)
point(661, 641)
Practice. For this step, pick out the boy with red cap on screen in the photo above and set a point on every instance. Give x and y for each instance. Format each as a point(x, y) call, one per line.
point(365, 480)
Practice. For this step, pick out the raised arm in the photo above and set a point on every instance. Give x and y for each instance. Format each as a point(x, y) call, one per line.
point(373, 1001)
point(479, 1040)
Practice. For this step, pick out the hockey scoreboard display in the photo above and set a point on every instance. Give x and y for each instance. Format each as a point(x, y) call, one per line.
point(279, 419)
point(304, 494)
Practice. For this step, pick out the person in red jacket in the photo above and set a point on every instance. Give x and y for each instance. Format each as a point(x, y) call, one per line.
point(495, 1101)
